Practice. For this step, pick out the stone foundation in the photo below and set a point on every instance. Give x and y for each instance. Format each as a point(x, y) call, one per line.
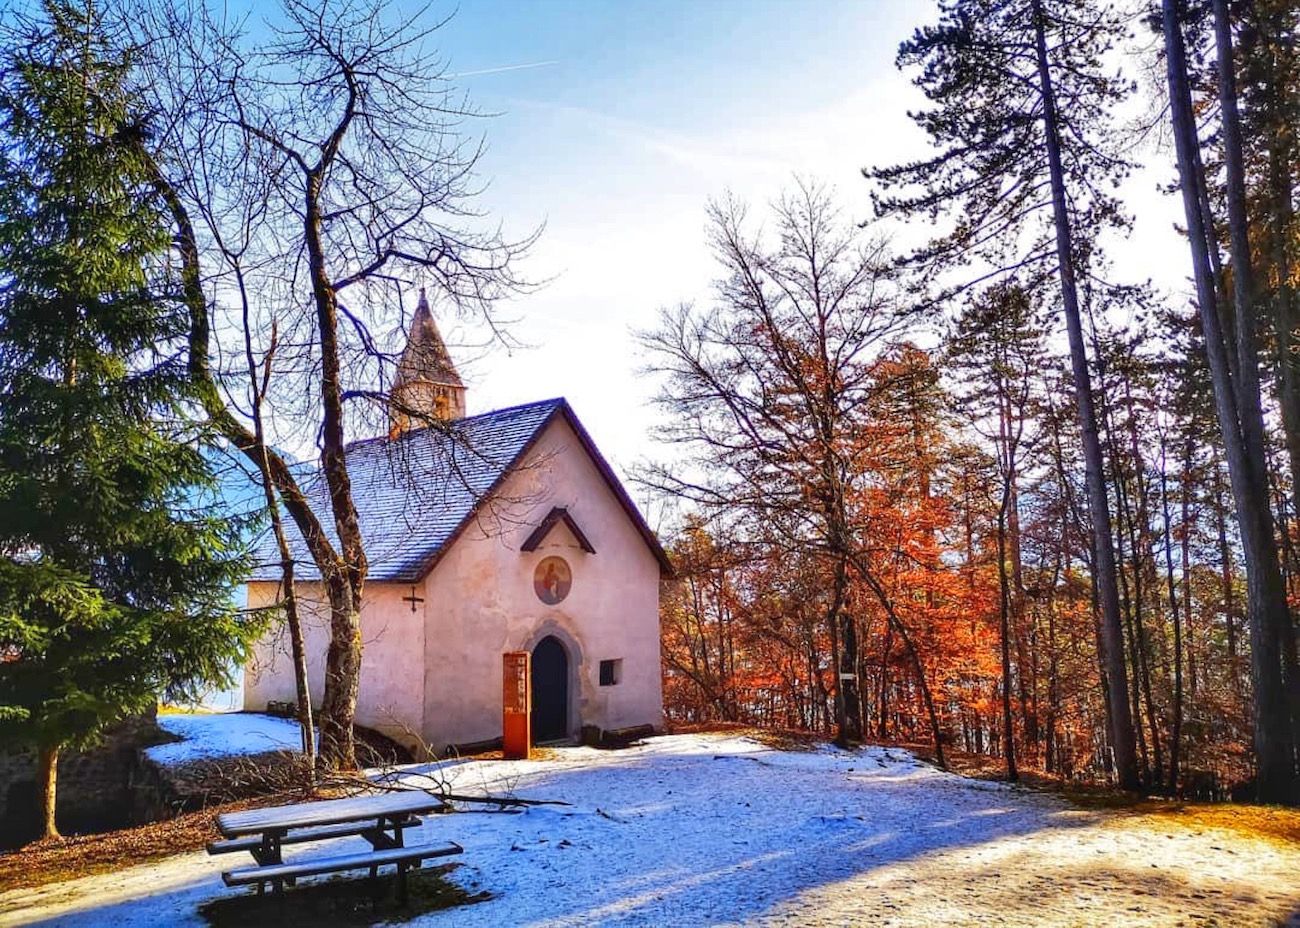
point(96, 787)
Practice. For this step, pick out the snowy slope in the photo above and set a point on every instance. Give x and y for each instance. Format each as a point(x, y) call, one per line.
point(208, 735)
point(701, 829)
point(713, 830)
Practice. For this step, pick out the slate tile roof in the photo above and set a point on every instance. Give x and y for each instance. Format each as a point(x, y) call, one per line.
point(414, 492)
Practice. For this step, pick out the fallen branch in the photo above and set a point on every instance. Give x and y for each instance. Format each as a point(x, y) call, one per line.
point(392, 784)
point(510, 801)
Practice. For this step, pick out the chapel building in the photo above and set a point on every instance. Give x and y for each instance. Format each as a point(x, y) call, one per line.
point(501, 532)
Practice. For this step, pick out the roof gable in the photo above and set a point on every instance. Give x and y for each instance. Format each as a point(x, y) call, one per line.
point(416, 494)
point(616, 487)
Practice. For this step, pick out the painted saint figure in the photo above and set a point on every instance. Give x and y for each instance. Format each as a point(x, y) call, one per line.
point(552, 580)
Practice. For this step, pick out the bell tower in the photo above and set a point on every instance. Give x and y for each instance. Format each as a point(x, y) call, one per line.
point(427, 388)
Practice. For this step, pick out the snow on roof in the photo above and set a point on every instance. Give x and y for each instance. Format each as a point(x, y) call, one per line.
point(209, 735)
point(416, 492)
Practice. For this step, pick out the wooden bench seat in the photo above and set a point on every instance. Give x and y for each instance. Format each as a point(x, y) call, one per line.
point(403, 857)
point(253, 842)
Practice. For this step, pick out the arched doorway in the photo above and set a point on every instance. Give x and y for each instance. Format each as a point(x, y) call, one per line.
point(550, 690)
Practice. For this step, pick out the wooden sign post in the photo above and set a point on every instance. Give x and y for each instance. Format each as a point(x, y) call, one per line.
point(516, 738)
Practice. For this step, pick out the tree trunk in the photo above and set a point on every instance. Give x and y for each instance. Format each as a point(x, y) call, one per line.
point(1288, 363)
point(298, 651)
point(1237, 408)
point(1026, 676)
point(1142, 544)
point(923, 685)
point(844, 644)
point(1176, 725)
point(47, 774)
point(1112, 638)
point(1225, 582)
point(342, 678)
point(1126, 610)
point(1185, 552)
point(1008, 735)
point(1273, 616)
point(343, 659)
point(1284, 318)
point(289, 596)
point(1006, 452)
point(882, 722)
point(1130, 589)
point(1051, 760)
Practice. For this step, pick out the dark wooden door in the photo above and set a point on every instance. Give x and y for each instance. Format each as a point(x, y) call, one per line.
point(550, 690)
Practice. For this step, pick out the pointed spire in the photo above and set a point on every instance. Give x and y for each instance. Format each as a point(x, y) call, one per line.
point(426, 357)
point(427, 386)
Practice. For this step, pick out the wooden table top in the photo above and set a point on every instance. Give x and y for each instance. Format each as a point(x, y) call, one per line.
point(327, 812)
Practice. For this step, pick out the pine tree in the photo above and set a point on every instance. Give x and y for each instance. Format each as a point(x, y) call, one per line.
point(1232, 356)
point(1027, 164)
point(116, 573)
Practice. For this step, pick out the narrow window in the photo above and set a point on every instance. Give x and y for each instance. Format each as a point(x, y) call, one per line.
point(611, 672)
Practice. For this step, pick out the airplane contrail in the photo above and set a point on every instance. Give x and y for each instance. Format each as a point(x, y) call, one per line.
point(508, 67)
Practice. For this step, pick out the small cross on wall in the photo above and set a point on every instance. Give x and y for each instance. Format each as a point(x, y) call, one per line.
point(413, 599)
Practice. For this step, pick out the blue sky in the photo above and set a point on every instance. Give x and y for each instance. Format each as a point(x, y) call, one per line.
point(657, 60)
point(641, 113)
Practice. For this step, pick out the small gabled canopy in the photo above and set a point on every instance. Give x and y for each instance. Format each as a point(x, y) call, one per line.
point(553, 518)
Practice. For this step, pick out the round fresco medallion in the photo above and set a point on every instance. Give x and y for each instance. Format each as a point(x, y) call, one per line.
point(552, 579)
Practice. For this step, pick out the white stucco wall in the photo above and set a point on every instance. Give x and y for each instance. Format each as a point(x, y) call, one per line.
point(389, 699)
point(480, 603)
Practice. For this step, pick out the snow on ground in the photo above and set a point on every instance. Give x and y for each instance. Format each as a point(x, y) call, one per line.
point(206, 735)
point(714, 830)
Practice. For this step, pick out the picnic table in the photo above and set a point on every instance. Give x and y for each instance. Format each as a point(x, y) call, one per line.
point(380, 819)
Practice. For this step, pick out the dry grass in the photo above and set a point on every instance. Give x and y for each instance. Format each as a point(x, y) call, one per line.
point(536, 753)
point(779, 739)
point(1272, 823)
point(43, 862)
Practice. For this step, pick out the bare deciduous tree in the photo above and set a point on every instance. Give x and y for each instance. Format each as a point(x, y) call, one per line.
point(764, 391)
point(326, 157)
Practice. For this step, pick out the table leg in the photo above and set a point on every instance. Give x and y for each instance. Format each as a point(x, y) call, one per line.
point(379, 836)
point(268, 852)
point(401, 883)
